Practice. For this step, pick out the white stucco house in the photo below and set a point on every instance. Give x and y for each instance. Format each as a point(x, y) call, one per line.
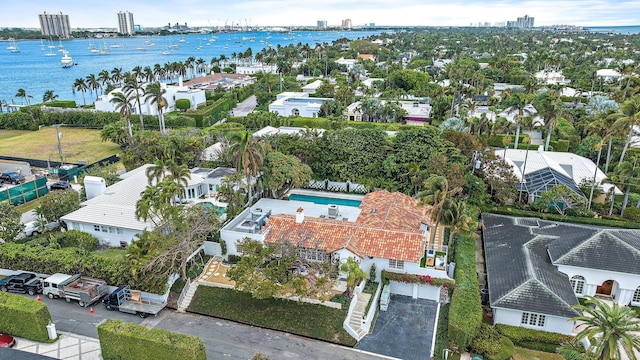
point(296, 104)
point(418, 112)
point(110, 215)
point(537, 269)
point(388, 229)
point(608, 75)
point(195, 96)
point(256, 68)
point(551, 77)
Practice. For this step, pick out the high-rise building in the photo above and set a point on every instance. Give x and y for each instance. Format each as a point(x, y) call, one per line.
point(346, 23)
point(525, 22)
point(322, 24)
point(55, 25)
point(125, 23)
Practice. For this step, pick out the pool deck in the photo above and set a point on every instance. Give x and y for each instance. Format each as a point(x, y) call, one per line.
point(326, 194)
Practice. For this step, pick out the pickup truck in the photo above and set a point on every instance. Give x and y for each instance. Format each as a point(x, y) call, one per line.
point(132, 302)
point(26, 283)
point(35, 227)
point(84, 290)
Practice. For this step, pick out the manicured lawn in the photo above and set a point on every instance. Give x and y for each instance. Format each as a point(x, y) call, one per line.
point(77, 144)
point(315, 321)
point(23, 208)
point(526, 354)
point(7, 134)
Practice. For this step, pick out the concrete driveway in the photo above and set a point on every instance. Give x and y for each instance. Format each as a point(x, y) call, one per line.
point(404, 331)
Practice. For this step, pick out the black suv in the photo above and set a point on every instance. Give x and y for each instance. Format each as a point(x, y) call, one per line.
point(11, 177)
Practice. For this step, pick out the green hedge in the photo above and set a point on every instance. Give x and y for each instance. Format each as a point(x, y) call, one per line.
point(560, 145)
point(311, 123)
point(48, 260)
point(465, 313)
point(442, 333)
point(532, 339)
point(69, 104)
point(24, 317)
point(497, 140)
point(506, 350)
point(78, 239)
point(125, 340)
point(415, 279)
point(557, 217)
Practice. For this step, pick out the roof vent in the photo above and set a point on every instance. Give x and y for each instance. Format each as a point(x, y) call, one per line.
point(373, 211)
point(333, 211)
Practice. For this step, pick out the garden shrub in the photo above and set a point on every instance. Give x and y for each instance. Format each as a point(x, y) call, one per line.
point(497, 140)
point(560, 145)
point(387, 276)
point(125, 340)
point(487, 341)
point(442, 333)
point(78, 239)
point(233, 259)
point(632, 213)
point(311, 123)
point(183, 104)
point(69, 104)
point(24, 317)
point(505, 351)
point(532, 339)
point(465, 313)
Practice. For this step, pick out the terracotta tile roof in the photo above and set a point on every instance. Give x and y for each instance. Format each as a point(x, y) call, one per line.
point(391, 232)
point(393, 211)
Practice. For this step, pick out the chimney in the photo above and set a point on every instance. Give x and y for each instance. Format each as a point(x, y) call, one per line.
point(299, 215)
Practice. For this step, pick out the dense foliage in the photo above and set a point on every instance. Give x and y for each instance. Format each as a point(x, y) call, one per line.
point(126, 340)
point(465, 313)
point(532, 339)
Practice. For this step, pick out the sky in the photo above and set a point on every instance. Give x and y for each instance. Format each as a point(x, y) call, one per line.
point(156, 13)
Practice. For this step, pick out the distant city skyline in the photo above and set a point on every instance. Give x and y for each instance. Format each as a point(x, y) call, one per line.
point(148, 13)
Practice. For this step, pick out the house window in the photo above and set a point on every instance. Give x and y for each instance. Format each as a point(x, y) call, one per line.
point(104, 229)
point(396, 264)
point(119, 231)
point(577, 283)
point(295, 112)
point(96, 228)
point(636, 296)
point(533, 319)
point(75, 226)
point(112, 230)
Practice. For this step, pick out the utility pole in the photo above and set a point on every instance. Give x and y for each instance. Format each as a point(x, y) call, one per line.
point(59, 136)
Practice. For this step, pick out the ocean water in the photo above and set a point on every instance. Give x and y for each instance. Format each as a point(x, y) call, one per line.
point(36, 73)
point(624, 30)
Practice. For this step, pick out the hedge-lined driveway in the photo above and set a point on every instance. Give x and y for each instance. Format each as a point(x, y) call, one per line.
point(404, 331)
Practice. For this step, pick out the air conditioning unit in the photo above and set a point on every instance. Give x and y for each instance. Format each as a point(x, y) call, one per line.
point(333, 211)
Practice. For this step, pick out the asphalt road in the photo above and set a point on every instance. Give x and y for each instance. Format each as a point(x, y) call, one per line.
point(223, 339)
point(245, 107)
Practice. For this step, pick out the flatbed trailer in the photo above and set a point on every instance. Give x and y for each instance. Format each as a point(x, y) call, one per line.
point(85, 290)
point(132, 302)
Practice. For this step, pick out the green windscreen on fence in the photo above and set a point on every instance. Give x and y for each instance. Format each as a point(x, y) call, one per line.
point(21, 194)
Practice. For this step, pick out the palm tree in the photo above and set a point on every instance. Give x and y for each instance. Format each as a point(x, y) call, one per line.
point(122, 103)
point(355, 274)
point(116, 75)
point(155, 94)
point(131, 85)
point(627, 117)
point(104, 77)
point(81, 85)
point(609, 329)
point(23, 94)
point(519, 103)
point(49, 96)
point(457, 216)
point(248, 156)
point(435, 195)
point(627, 172)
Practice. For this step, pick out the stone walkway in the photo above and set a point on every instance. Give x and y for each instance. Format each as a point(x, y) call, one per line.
point(68, 347)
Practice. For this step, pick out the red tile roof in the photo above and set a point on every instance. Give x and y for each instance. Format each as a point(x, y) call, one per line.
point(390, 232)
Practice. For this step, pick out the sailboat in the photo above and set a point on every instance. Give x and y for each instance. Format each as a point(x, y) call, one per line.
point(51, 47)
point(105, 49)
point(13, 47)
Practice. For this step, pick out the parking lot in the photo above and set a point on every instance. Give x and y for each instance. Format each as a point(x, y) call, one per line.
point(404, 331)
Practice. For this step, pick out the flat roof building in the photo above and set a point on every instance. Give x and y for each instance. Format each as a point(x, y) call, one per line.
point(55, 25)
point(125, 23)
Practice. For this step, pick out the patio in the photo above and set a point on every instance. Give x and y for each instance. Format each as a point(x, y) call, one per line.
point(216, 273)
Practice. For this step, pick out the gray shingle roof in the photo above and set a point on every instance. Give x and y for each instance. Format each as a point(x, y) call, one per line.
point(519, 272)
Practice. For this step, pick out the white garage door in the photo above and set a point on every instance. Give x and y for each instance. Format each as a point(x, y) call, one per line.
point(401, 288)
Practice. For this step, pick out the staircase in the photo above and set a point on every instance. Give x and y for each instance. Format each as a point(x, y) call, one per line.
point(355, 321)
point(187, 295)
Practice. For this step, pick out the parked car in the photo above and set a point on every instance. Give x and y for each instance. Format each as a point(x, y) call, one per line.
point(11, 177)
point(60, 185)
point(7, 340)
point(35, 228)
point(27, 283)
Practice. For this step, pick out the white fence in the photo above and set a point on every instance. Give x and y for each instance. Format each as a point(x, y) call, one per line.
point(337, 186)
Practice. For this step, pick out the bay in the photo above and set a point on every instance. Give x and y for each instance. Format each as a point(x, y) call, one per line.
point(36, 73)
point(623, 30)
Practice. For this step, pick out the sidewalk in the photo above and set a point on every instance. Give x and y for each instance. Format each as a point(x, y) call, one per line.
point(69, 346)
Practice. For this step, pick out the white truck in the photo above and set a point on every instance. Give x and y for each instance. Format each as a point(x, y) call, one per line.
point(132, 302)
point(84, 290)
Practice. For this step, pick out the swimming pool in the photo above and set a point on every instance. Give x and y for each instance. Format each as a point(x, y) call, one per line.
point(209, 206)
point(323, 200)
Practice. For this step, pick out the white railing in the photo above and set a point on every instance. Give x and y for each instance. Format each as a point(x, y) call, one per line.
point(345, 324)
point(184, 291)
point(372, 310)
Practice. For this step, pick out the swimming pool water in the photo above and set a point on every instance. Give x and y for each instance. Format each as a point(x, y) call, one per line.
point(325, 200)
point(219, 210)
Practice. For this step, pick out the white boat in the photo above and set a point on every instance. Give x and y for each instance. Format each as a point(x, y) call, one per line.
point(66, 61)
point(13, 47)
